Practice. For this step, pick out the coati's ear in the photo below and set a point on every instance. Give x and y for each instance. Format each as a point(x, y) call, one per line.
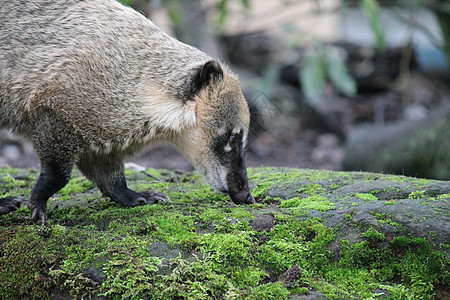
point(204, 75)
point(208, 72)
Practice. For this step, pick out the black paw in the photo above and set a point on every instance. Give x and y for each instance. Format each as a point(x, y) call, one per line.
point(9, 204)
point(144, 198)
point(38, 212)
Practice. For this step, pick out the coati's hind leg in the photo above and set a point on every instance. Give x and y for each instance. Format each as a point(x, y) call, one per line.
point(9, 204)
point(107, 172)
point(57, 146)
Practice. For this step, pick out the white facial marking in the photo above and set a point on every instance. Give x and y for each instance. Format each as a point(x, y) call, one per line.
point(216, 176)
point(222, 172)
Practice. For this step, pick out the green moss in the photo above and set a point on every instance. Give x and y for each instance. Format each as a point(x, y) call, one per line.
point(9, 182)
point(260, 191)
point(278, 256)
point(198, 246)
point(335, 186)
point(248, 276)
point(274, 174)
point(373, 235)
point(383, 218)
point(270, 291)
point(130, 277)
point(226, 250)
point(11, 171)
point(370, 262)
point(311, 189)
point(443, 197)
point(154, 172)
point(343, 279)
point(267, 178)
point(77, 184)
point(192, 280)
point(366, 197)
point(391, 202)
point(444, 246)
point(319, 203)
point(420, 266)
point(295, 242)
point(417, 195)
point(27, 254)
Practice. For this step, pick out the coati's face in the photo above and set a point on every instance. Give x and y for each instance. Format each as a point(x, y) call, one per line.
point(216, 144)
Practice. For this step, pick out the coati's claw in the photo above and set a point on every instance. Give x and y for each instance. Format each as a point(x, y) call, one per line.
point(37, 213)
point(144, 198)
point(162, 197)
point(9, 204)
point(250, 200)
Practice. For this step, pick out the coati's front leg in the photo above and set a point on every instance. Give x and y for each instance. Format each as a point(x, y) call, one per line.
point(54, 176)
point(107, 172)
point(57, 146)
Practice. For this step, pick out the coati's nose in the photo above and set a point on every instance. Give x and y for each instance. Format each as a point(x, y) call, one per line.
point(242, 198)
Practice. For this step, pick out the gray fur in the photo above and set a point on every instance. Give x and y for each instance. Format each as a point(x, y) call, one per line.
point(89, 82)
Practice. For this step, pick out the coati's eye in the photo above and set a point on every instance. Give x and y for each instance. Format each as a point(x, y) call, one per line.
point(232, 139)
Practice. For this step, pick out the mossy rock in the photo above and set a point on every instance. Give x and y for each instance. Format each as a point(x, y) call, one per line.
point(312, 235)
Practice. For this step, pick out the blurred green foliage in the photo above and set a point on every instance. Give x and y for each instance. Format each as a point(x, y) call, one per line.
point(323, 63)
point(371, 9)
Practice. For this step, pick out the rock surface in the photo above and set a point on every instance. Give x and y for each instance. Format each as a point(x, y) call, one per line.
point(417, 147)
point(312, 235)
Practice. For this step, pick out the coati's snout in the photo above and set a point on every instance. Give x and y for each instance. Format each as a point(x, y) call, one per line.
point(225, 170)
point(233, 157)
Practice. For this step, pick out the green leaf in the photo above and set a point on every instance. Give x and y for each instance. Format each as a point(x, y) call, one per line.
point(223, 11)
point(245, 3)
point(371, 9)
point(339, 75)
point(312, 75)
point(126, 2)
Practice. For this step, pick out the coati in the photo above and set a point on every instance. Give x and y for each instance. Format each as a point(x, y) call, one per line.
point(89, 82)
